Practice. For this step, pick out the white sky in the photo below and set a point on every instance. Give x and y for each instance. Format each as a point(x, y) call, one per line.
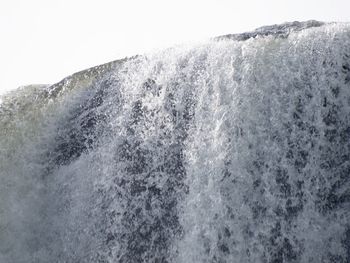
point(43, 41)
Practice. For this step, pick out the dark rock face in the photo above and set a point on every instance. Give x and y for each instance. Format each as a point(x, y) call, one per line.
point(79, 133)
point(232, 151)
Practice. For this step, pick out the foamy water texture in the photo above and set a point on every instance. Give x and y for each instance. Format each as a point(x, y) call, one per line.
point(232, 150)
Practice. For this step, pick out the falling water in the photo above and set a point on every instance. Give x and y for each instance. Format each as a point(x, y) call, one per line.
point(232, 150)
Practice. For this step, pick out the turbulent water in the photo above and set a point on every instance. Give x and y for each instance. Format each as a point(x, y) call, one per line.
point(232, 150)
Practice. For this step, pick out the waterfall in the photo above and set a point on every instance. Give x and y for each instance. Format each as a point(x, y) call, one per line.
point(236, 149)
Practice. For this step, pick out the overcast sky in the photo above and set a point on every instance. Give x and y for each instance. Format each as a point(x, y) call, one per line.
point(42, 41)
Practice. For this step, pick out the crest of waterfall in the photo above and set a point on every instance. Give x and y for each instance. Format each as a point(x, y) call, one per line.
point(232, 150)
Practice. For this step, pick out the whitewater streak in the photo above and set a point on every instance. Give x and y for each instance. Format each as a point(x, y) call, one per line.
point(233, 150)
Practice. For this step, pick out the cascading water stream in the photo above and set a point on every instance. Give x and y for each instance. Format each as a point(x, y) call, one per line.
point(232, 150)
